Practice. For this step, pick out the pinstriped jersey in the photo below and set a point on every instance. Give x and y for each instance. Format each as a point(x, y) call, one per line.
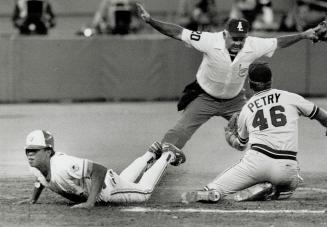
point(270, 118)
point(218, 75)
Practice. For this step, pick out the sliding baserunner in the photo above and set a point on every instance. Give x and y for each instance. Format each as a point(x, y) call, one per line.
point(86, 182)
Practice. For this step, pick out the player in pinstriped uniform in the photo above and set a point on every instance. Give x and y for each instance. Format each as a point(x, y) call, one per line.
point(218, 89)
point(83, 181)
point(269, 123)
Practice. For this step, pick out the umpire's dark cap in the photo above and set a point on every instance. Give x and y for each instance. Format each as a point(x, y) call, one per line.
point(260, 72)
point(237, 27)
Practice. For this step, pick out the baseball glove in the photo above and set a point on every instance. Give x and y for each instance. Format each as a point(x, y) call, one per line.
point(232, 124)
point(231, 133)
point(321, 31)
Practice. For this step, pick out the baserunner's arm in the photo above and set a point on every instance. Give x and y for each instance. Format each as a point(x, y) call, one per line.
point(97, 174)
point(38, 188)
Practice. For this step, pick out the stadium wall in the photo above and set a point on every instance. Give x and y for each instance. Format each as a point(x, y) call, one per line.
point(130, 68)
point(73, 7)
point(73, 14)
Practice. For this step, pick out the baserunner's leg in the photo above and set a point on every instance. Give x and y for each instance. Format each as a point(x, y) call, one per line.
point(132, 172)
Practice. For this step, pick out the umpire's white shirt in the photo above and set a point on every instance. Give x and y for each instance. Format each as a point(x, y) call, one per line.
point(217, 74)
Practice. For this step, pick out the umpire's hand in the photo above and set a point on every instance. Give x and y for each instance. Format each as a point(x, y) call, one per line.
point(310, 34)
point(143, 13)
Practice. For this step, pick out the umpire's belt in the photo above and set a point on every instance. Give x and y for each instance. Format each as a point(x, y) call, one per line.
point(275, 154)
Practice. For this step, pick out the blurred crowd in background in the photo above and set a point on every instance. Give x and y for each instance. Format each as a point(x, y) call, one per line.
point(33, 16)
point(120, 16)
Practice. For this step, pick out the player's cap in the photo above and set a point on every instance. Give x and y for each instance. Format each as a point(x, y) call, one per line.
point(39, 139)
point(259, 72)
point(237, 27)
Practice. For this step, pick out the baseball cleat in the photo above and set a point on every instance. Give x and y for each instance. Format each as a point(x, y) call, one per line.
point(256, 192)
point(179, 155)
point(156, 149)
point(281, 195)
point(210, 196)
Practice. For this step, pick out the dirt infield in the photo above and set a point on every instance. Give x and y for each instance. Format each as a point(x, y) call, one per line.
point(114, 134)
point(53, 210)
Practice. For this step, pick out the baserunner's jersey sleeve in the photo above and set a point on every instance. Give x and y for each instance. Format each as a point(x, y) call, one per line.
point(202, 41)
point(78, 167)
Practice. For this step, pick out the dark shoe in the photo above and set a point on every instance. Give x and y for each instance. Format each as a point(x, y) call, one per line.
point(156, 149)
point(179, 155)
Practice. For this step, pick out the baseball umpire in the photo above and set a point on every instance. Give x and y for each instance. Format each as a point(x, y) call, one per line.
point(218, 88)
point(269, 122)
point(86, 182)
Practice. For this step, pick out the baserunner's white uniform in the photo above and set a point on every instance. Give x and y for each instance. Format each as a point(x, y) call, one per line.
point(269, 123)
point(69, 174)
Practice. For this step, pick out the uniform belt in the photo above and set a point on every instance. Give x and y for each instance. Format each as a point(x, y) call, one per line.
point(275, 154)
point(216, 99)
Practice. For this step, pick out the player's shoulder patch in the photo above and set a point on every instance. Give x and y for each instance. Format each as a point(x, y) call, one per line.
point(79, 168)
point(74, 168)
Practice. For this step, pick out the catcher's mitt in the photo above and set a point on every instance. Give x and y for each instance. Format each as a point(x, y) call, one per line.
point(231, 133)
point(321, 31)
point(232, 124)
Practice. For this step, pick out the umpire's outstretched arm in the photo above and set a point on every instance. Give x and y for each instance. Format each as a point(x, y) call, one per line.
point(288, 40)
point(168, 29)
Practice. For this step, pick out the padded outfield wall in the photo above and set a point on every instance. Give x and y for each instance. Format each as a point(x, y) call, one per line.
point(130, 68)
